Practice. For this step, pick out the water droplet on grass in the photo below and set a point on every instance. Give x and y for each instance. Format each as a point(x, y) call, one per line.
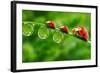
point(43, 32)
point(58, 37)
point(27, 29)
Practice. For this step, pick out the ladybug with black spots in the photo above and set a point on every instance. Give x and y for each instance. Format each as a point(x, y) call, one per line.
point(82, 32)
point(64, 28)
point(50, 24)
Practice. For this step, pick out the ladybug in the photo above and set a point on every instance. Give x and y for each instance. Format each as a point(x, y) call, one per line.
point(82, 32)
point(64, 28)
point(51, 24)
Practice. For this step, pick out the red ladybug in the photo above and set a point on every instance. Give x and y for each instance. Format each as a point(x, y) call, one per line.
point(64, 28)
point(82, 32)
point(51, 24)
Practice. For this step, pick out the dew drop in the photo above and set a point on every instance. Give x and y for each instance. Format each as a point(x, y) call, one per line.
point(43, 32)
point(27, 29)
point(58, 37)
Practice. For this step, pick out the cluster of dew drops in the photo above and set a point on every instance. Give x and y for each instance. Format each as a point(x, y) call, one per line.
point(43, 31)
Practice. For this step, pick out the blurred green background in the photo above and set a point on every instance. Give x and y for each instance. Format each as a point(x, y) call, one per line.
point(35, 49)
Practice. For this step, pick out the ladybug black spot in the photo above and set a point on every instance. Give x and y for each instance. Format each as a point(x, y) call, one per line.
point(83, 35)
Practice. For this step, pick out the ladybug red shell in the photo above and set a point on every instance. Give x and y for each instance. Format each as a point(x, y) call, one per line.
point(82, 32)
point(51, 24)
point(64, 29)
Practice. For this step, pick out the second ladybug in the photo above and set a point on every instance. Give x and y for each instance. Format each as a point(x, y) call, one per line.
point(64, 28)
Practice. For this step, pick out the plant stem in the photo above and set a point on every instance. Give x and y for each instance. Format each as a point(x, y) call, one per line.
point(78, 37)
